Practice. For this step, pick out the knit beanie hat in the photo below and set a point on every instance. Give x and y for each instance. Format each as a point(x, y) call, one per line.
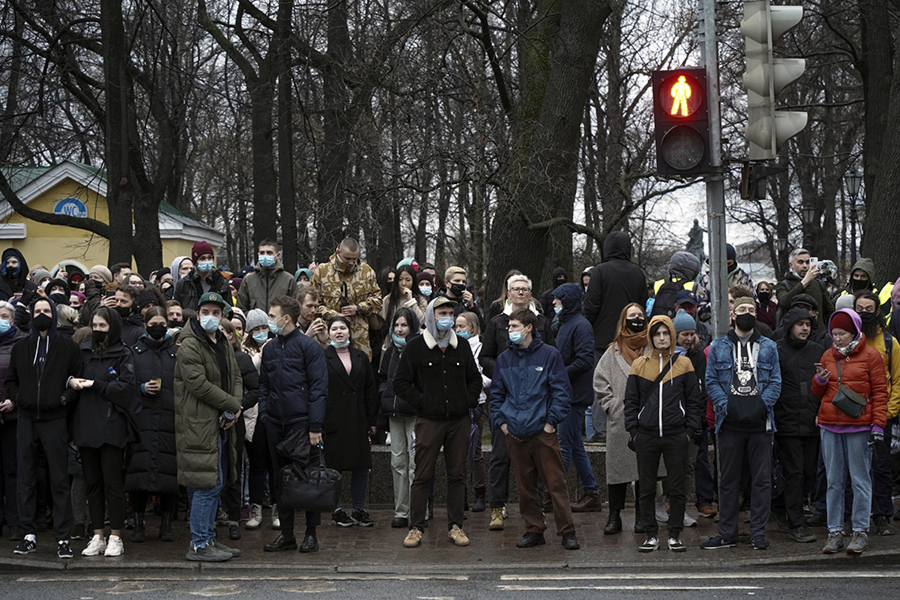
point(845, 301)
point(842, 320)
point(199, 249)
point(255, 318)
point(683, 322)
point(423, 276)
point(743, 300)
point(103, 272)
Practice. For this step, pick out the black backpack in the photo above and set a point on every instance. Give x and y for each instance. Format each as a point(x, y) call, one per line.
point(665, 298)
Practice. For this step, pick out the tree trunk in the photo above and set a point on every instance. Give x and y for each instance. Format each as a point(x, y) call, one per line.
point(286, 198)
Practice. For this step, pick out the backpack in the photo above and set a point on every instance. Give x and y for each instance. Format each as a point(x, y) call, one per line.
point(665, 298)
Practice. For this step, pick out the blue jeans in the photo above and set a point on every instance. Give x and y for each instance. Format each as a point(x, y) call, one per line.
point(572, 447)
point(843, 451)
point(589, 422)
point(204, 504)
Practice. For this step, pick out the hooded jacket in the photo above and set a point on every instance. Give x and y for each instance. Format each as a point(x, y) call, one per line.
point(557, 278)
point(575, 342)
point(12, 284)
point(720, 370)
point(261, 286)
point(99, 416)
point(672, 407)
point(176, 265)
point(615, 283)
point(437, 383)
point(202, 393)
point(529, 388)
point(866, 265)
point(189, 289)
point(863, 372)
point(43, 397)
point(797, 407)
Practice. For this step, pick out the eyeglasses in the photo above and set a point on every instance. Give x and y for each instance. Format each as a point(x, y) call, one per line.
point(519, 290)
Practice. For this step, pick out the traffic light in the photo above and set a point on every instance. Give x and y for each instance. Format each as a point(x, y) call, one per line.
point(681, 117)
point(767, 129)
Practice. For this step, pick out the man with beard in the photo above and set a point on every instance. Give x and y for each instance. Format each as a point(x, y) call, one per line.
point(868, 307)
point(797, 438)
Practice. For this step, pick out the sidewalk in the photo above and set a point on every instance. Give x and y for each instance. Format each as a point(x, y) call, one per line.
point(379, 549)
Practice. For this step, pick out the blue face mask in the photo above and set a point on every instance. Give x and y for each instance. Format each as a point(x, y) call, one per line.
point(4, 326)
point(463, 334)
point(261, 337)
point(266, 261)
point(516, 337)
point(343, 344)
point(274, 328)
point(445, 323)
point(425, 291)
point(205, 266)
point(557, 309)
point(209, 323)
point(398, 341)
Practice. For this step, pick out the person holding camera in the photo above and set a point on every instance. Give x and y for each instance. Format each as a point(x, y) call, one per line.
point(208, 392)
point(293, 388)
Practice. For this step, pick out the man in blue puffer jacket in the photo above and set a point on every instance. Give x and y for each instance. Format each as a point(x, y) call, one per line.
point(575, 342)
point(530, 397)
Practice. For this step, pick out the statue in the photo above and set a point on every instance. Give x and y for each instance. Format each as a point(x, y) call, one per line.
point(695, 241)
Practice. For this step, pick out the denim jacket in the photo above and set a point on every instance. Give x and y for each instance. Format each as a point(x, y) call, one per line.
point(720, 369)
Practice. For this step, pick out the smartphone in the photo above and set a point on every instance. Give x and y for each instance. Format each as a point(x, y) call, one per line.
point(110, 294)
point(813, 261)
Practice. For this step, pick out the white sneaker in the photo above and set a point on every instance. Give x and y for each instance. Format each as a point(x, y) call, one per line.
point(276, 520)
point(387, 439)
point(689, 521)
point(255, 519)
point(115, 547)
point(95, 547)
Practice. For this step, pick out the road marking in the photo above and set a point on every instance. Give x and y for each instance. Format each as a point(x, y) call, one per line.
point(217, 590)
point(707, 575)
point(670, 588)
point(128, 587)
point(326, 578)
point(436, 598)
point(311, 590)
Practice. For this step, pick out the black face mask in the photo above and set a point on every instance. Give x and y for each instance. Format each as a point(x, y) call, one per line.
point(12, 271)
point(157, 332)
point(636, 325)
point(745, 322)
point(457, 288)
point(764, 297)
point(868, 317)
point(859, 284)
point(99, 336)
point(174, 324)
point(42, 322)
point(124, 311)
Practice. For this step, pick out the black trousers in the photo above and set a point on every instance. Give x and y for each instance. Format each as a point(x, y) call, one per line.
point(260, 465)
point(882, 478)
point(231, 495)
point(53, 437)
point(104, 479)
point(498, 477)
point(168, 503)
point(276, 433)
point(797, 456)
point(9, 468)
point(673, 449)
point(617, 492)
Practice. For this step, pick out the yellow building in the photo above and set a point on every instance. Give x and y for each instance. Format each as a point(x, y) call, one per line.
point(79, 190)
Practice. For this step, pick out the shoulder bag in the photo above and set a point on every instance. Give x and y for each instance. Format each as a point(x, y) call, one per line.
point(846, 399)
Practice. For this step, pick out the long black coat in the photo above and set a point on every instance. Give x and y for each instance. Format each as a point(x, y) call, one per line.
point(797, 407)
point(153, 465)
point(351, 408)
point(99, 415)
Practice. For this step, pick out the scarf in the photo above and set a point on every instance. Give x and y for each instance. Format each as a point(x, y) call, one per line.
point(632, 344)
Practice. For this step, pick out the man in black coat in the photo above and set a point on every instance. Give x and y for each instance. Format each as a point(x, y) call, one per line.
point(797, 435)
point(202, 279)
point(14, 277)
point(615, 283)
point(40, 368)
point(437, 376)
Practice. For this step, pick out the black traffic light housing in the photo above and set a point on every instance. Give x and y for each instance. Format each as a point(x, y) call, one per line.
point(681, 119)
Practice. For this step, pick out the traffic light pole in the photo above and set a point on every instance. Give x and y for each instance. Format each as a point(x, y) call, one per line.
point(715, 184)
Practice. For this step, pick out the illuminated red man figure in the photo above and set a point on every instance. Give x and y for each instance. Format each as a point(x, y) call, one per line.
point(681, 91)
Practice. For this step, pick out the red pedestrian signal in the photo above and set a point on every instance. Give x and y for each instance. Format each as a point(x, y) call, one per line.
point(681, 119)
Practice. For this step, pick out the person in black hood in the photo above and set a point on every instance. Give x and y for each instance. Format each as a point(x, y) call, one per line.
point(132, 322)
point(797, 436)
point(14, 277)
point(58, 291)
point(41, 395)
point(615, 283)
point(100, 429)
point(559, 277)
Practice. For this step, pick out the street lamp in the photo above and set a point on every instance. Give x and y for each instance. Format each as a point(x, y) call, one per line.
point(853, 179)
point(808, 216)
point(781, 245)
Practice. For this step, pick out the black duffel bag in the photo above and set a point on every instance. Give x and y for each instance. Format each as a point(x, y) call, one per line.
point(311, 488)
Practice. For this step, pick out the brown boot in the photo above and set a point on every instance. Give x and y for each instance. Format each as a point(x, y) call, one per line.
point(590, 502)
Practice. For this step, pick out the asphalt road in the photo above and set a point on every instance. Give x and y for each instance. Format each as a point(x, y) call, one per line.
point(766, 583)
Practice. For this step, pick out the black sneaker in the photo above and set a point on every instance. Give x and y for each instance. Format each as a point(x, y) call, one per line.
point(717, 543)
point(63, 550)
point(651, 544)
point(234, 531)
point(77, 532)
point(760, 542)
point(339, 517)
point(362, 518)
point(26, 546)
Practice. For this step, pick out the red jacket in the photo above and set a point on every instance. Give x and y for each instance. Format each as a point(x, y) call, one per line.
point(863, 372)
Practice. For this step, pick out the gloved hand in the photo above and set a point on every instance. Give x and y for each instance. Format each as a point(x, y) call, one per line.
point(631, 443)
point(876, 437)
point(696, 436)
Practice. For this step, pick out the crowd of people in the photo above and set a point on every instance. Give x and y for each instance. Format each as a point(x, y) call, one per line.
point(191, 390)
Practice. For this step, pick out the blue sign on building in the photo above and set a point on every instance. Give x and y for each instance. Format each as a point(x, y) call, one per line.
point(72, 207)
